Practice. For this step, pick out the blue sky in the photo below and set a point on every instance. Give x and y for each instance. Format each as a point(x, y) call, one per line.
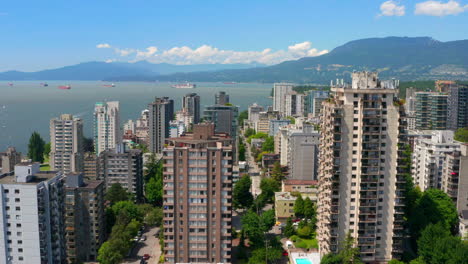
point(46, 34)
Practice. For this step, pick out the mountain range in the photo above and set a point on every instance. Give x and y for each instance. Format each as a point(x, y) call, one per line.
point(405, 58)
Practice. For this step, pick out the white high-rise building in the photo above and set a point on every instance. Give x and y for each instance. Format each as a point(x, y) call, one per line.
point(294, 104)
point(279, 96)
point(66, 150)
point(361, 181)
point(429, 158)
point(31, 216)
point(107, 133)
point(254, 112)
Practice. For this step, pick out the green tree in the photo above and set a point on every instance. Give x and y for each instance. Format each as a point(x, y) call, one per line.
point(292, 120)
point(154, 217)
point(268, 187)
point(154, 182)
point(242, 197)
point(277, 173)
point(241, 150)
point(299, 207)
point(289, 230)
point(116, 193)
point(47, 150)
point(348, 252)
point(249, 132)
point(36, 148)
point(434, 206)
point(262, 255)
point(304, 232)
point(108, 254)
point(268, 220)
point(242, 116)
point(126, 211)
point(252, 227)
point(419, 260)
point(462, 135)
point(395, 261)
point(309, 208)
point(331, 258)
point(268, 145)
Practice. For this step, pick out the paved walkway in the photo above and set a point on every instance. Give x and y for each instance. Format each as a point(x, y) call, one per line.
point(150, 246)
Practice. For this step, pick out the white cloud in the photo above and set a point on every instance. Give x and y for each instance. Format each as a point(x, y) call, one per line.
point(438, 8)
point(103, 46)
point(207, 54)
point(391, 8)
point(110, 60)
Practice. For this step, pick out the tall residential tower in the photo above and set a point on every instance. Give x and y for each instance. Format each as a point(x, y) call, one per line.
point(161, 112)
point(106, 126)
point(360, 188)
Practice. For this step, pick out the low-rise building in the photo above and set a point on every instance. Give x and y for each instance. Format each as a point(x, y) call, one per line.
point(9, 159)
point(307, 188)
point(284, 206)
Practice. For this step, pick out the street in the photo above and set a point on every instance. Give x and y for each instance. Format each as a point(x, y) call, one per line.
point(150, 246)
point(254, 170)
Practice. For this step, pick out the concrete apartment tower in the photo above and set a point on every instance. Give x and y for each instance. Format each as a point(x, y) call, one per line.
point(431, 111)
point(197, 197)
point(32, 216)
point(161, 112)
point(221, 98)
point(124, 167)
point(107, 133)
point(191, 105)
point(458, 107)
point(360, 189)
point(9, 159)
point(84, 218)
point(279, 96)
point(254, 112)
point(66, 150)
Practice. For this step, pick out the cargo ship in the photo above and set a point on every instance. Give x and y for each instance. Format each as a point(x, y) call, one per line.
point(44, 84)
point(109, 85)
point(184, 85)
point(64, 87)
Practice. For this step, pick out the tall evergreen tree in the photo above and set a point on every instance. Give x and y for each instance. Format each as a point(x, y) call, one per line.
point(242, 197)
point(36, 148)
point(299, 207)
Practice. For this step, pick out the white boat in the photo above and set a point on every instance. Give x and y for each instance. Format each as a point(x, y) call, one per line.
point(186, 85)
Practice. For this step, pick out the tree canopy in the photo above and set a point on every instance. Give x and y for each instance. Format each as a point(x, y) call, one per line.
point(299, 207)
point(242, 116)
point(268, 145)
point(462, 135)
point(116, 193)
point(241, 195)
point(36, 147)
point(154, 182)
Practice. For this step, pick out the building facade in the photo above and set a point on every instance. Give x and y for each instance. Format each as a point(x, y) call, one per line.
point(107, 133)
point(31, 215)
point(85, 229)
point(224, 117)
point(9, 159)
point(191, 105)
point(429, 158)
point(161, 112)
point(254, 112)
point(123, 167)
point(360, 185)
point(221, 98)
point(430, 111)
point(303, 152)
point(457, 107)
point(66, 148)
point(294, 104)
point(279, 96)
point(197, 197)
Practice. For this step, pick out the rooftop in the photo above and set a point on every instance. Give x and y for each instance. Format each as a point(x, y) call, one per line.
point(300, 182)
point(284, 196)
point(37, 178)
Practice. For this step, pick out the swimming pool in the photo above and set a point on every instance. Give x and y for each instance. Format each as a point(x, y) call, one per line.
point(303, 261)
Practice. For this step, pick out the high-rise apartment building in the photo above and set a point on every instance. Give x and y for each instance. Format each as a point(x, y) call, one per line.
point(457, 107)
point(429, 157)
point(198, 197)
point(9, 159)
point(66, 148)
point(84, 218)
point(430, 111)
point(107, 133)
point(254, 112)
point(31, 216)
point(279, 96)
point(294, 104)
point(224, 117)
point(123, 167)
point(360, 185)
point(312, 101)
point(303, 148)
point(161, 112)
point(276, 124)
point(221, 98)
point(90, 166)
point(191, 105)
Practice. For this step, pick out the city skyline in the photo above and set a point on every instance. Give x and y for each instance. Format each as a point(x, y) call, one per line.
point(193, 33)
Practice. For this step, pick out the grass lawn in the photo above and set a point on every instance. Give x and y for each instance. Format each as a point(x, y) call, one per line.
point(45, 167)
point(306, 243)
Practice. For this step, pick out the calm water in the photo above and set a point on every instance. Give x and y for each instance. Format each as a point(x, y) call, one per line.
point(26, 106)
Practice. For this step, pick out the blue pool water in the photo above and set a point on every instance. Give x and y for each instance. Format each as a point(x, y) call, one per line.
point(303, 261)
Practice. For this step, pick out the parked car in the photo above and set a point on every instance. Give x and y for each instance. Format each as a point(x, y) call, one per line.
point(143, 238)
point(146, 256)
point(136, 238)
